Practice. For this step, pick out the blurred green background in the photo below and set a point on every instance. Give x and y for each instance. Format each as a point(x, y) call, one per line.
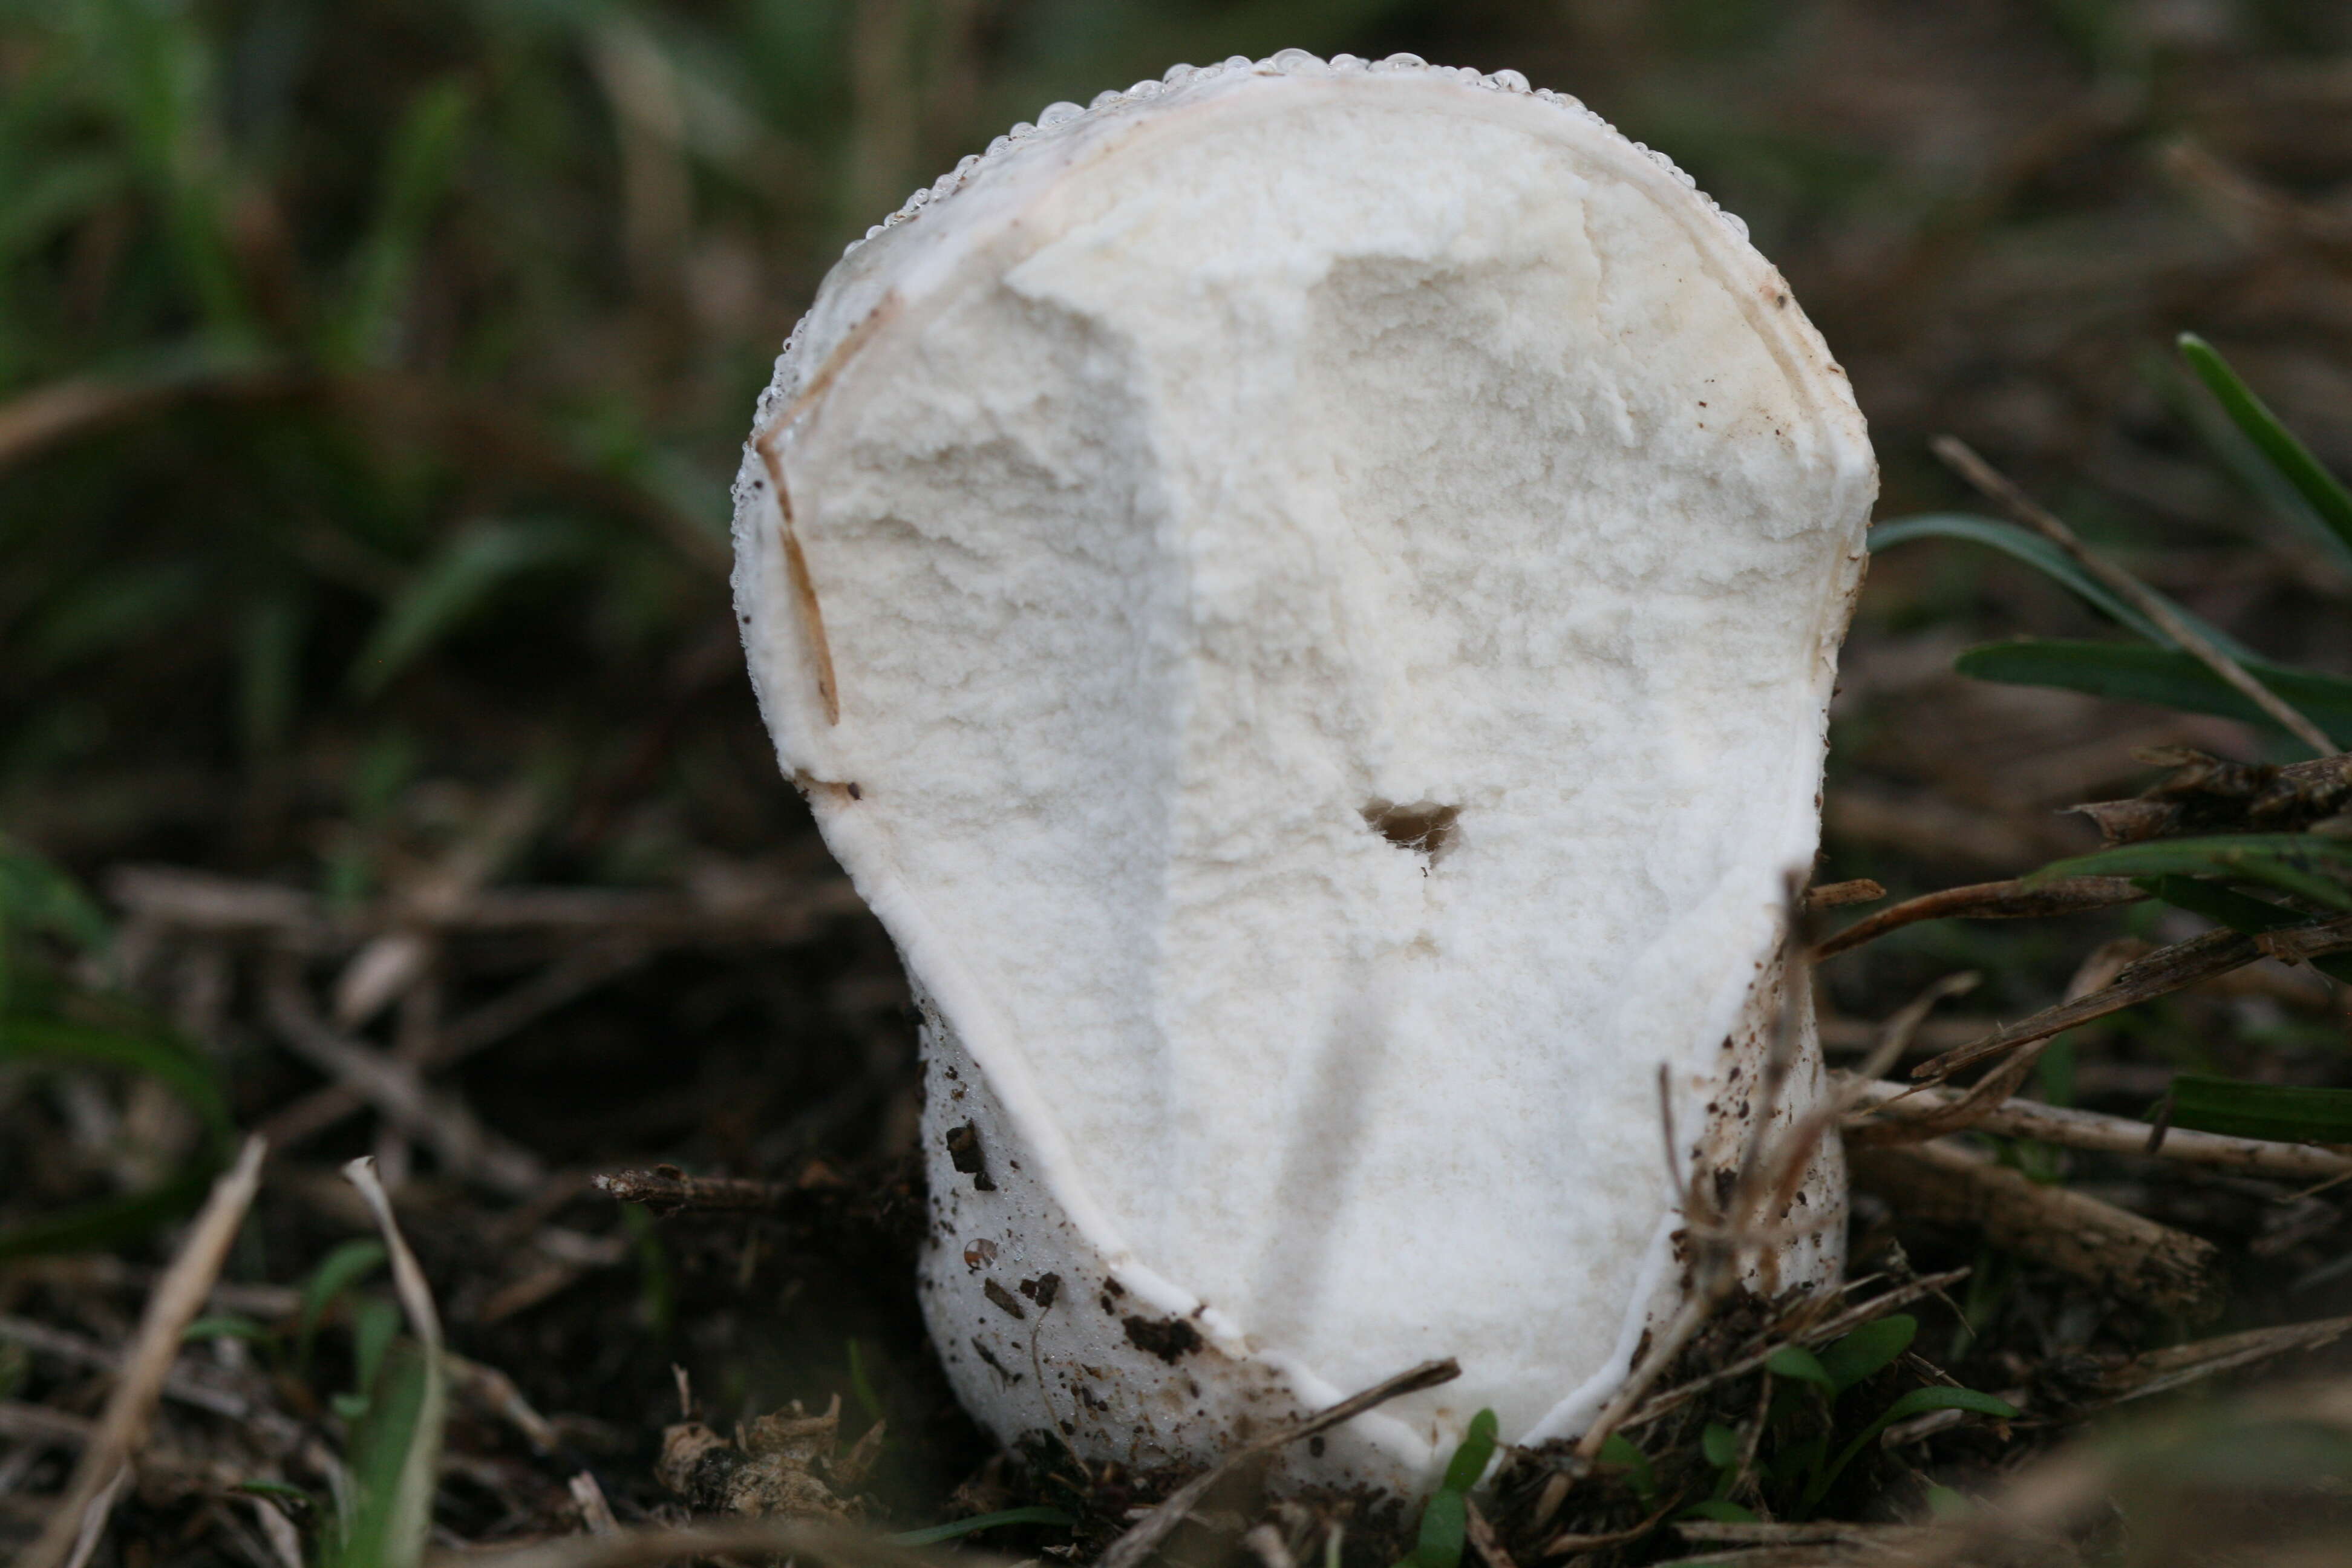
point(370, 373)
point(371, 378)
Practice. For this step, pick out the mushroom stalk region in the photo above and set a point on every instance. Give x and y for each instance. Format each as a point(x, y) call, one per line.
point(1306, 599)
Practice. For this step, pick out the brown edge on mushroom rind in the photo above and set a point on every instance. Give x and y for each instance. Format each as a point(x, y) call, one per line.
point(796, 566)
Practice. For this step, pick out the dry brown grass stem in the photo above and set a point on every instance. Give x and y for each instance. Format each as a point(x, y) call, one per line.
point(1820, 1330)
point(2092, 1131)
point(1144, 1537)
point(395, 1088)
point(2071, 1232)
point(2013, 500)
point(665, 1190)
point(2168, 969)
point(1837, 895)
point(2012, 900)
point(79, 1516)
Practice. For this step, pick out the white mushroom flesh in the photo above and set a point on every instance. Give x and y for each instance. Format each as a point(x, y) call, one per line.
point(1331, 582)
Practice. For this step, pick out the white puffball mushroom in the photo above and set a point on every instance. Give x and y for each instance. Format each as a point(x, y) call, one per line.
point(1306, 596)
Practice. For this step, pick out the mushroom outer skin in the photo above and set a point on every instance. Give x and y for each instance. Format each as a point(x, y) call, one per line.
point(1306, 595)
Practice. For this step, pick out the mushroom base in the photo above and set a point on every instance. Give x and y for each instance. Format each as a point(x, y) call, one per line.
point(1044, 1331)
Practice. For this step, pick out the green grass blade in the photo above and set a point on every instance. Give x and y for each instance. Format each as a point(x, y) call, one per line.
point(2162, 678)
point(1477, 1451)
point(1720, 1511)
point(2025, 544)
point(37, 895)
point(2230, 446)
point(189, 1076)
point(448, 591)
point(345, 1267)
point(2238, 911)
point(2303, 864)
point(2289, 455)
point(2283, 1114)
point(400, 1409)
point(1720, 1444)
point(1802, 1365)
point(223, 1326)
point(418, 170)
point(956, 1529)
point(1620, 1453)
point(1870, 1349)
point(1444, 1526)
point(162, 74)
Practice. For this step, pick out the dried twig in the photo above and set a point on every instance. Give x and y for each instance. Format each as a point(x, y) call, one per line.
point(178, 1298)
point(2105, 1134)
point(2161, 1370)
point(44, 1340)
point(2013, 899)
point(2069, 1231)
point(1143, 1537)
point(443, 1124)
point(1837, 895)
point(2035, 515)
point(2166, 970)
point(667, 1190)
point(2298, 944)
point(1819, 1331)
point(578, 971)
point(595, 1514)
point(1952, 1115)
point(1483, 1539)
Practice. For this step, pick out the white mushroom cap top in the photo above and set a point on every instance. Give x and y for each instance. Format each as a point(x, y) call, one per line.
point(1306, 599)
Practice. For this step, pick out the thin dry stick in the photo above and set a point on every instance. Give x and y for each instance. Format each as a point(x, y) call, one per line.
point(2014, 899)
point(1837, 895)
point(1829, 1328)
point(2167, 970)
point(42, 1339)
point(578, 971)
point(2098, 972)
point(667, 1190)
point(94, 1518)
point(596, 1512)
point(2107, 1134)
point(1144, 1537)
point(1483, 1537)
point(442, 1123)
point(2162, 1371)
point(179, 1297)
point(2105, 1247)
point(1999, 487)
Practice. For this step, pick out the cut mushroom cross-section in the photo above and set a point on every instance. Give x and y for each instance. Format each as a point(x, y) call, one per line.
point(1306, 595)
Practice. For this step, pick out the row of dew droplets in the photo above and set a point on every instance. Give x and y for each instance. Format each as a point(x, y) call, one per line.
point(1288, 62)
